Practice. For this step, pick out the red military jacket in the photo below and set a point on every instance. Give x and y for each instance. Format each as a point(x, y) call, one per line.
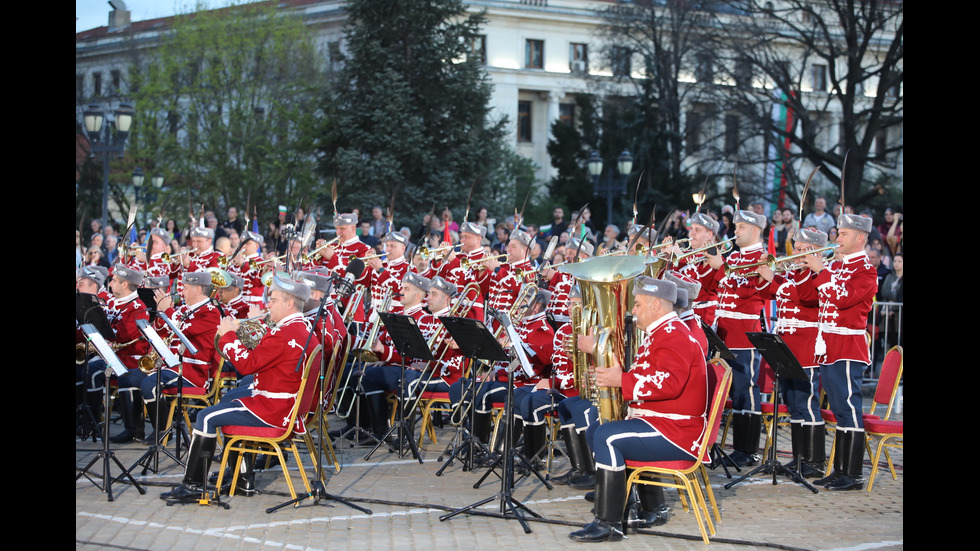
point(273, 362)
point(560, 284)
point(740, 299)
point(123, 313)
point(341, 258)
point(539, 337)
point(253, 289)
point(697, 269)
point(390, 278)
point(846, 290)
point(561, 364)
point(693, 323)
point(198, 323)
point(796, 315)
point(667, 386)
point(236, 307)
point(504, 285)
point(455, 273)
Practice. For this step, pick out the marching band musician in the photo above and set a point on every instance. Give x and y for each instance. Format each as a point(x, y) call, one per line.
point(846, 289)
point(275, 387)
point(246, 268)
point(703, 231)
point(740, 302)
point(197, 319)
point(336, 257)
point(90, 384)
point(685, 307)
point(387, 275)
point(667, 390)
point(232, 301)
point(123, 311)
point(640, 236)
point(471, 247)
point(151, 261)
point(797, 324)
point(560, 282)
point(320, 285)
point(504, 284)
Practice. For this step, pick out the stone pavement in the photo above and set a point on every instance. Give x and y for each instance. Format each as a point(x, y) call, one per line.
point(407, 500)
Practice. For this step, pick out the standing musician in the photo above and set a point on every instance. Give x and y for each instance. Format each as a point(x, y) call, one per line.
point(275, 387)
point(703, 231)
point(846, 289)
point(246, 268)
point(124, 310)
point(504, 284)
point(151, 262)
point(667, 391)
point(560, 282)
point(336, 257)
point(741, 301)
point(202, 254)
point(471, 246)
point(640, 237)
point(797, 313)
point(90, 383)
point(387, 275)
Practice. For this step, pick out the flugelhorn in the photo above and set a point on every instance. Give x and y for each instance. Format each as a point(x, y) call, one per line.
point(722, 246)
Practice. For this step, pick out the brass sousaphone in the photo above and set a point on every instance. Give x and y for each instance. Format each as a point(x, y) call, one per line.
point(607, 284)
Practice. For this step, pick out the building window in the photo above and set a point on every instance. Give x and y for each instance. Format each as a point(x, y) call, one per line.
point(79, 87)
point(704, 70)
point(523, 121)
point(578, 58)
point(731, 134)
point(818, 78)
point(743, 73)
point(97, 84)
point(566, 113)
point(173, 122)
point(697, 126)
point(534, 54)
point(478, 49)
point(116, 76)
point(622, 61)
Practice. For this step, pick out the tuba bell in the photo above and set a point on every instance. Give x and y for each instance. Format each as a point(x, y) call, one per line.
point(606, 284)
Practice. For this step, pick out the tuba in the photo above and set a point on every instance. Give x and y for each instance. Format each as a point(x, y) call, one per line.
point(606, 284)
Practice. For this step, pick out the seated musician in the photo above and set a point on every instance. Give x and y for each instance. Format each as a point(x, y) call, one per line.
point(274, 390)
point(667, 393)
point(90, 381)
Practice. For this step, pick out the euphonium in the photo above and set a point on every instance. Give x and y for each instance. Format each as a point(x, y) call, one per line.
point(606, 284)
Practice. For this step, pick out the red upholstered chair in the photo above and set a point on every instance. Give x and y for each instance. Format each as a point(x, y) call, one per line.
point(272, 440)
point(890, 434)
point(193, 397)
point(892, 368)
point(683, 475)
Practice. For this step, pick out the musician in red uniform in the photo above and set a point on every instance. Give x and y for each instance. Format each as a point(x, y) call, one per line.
point(151, 261)
point(275, 388)
point(246, 267)
point(741, 300)
point(685, 307)
point(197, 319)
point(337, 257)
point(504, 284)
point(667, 393)
point(452, 270)
point(89, 383)
point(387, 275)
point(797, 311)
point(124, 310)
point(232, 302)
point(560, 282)
point(703, 231)
point(846, 288)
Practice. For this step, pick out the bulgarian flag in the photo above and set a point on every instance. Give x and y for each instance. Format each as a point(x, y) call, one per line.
point(782, 117)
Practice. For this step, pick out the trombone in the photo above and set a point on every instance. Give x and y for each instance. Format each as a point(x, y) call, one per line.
point(723, 247)
point(776, 264)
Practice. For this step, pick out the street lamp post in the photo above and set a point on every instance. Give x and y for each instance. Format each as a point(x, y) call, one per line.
point(104, 141)
point(612, 185)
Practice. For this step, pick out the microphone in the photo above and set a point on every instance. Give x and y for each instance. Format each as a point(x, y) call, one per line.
point(345, 285)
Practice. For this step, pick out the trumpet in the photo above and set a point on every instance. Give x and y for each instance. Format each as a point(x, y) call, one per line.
point(466, 263)
point(684, 244)
point(428, 254)
point(314, 255)
point(723, 247)
point(776, 264)
point(168, 258)
point(379, 255)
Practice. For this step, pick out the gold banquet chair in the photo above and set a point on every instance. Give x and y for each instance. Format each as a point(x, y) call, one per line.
point(683, 475)
point(193, 397)
point(316, 419)
point(270, 440)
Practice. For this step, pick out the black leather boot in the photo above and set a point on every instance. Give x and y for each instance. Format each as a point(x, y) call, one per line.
point(132, 416)
point(852, 475)
point(838, 463)
point(378, 411)
point(534, 443)
point(796, 432)
point(574, 456)
point(198, 465)
point(814, 451)
point(609, 505)
point(653, 506)
point(586, 481)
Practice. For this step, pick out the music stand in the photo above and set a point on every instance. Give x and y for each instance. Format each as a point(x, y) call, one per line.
point(717, 348)
point(150, 460)
point(408, 341)
point(93, 336)
point(784, 364)
point(88, 310)
point(476, 343)
point(507, 501)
